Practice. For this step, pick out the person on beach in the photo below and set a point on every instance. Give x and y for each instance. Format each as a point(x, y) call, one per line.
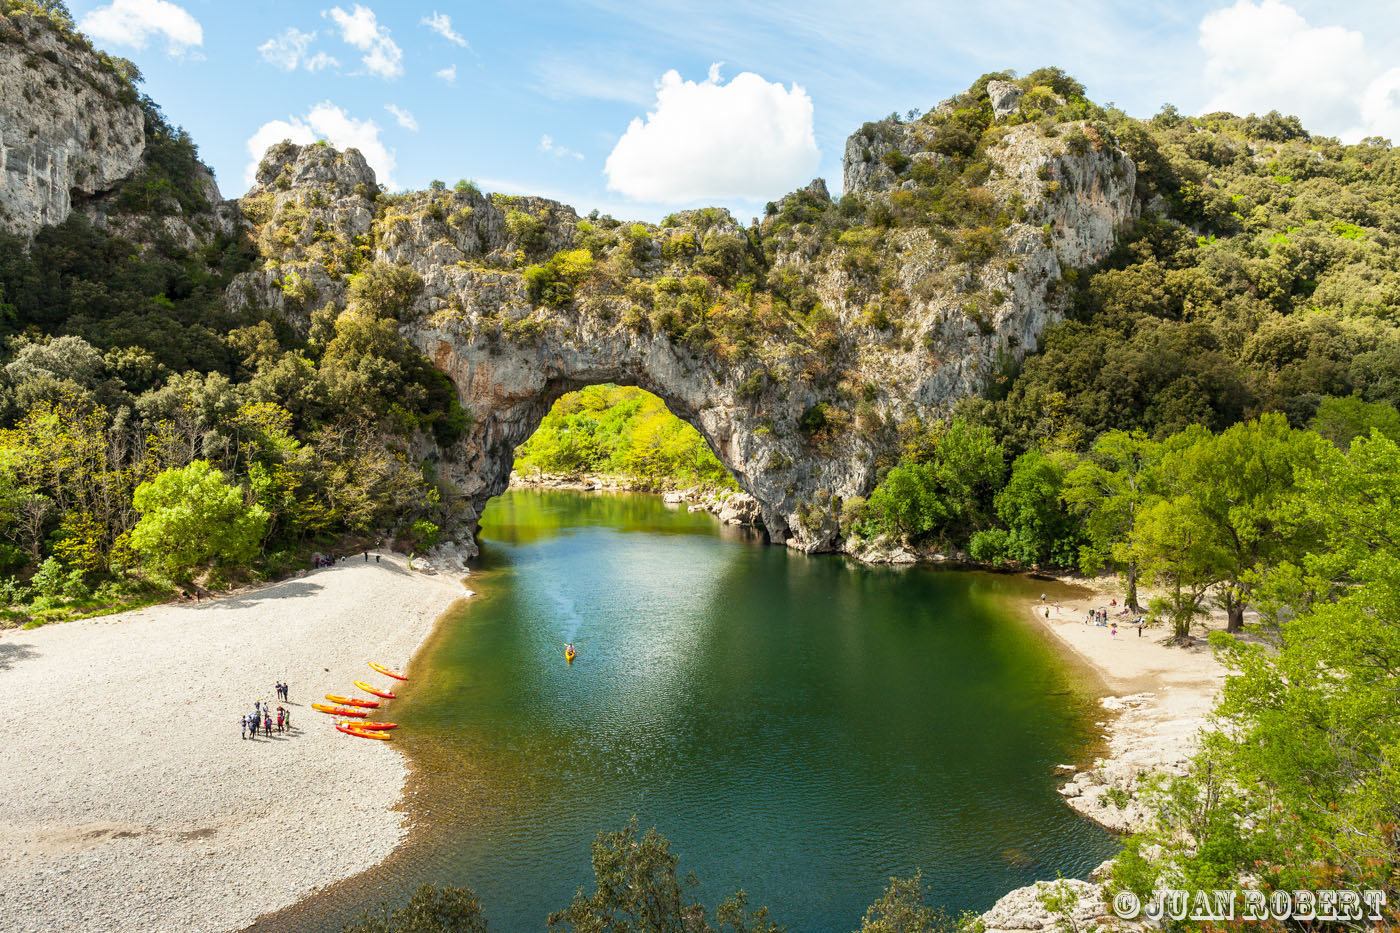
point(287, 717)
point(248, 723)
point(367, 557)
point(1114, 631)
point(279, 719)
point(243, 724)
point(267, 724)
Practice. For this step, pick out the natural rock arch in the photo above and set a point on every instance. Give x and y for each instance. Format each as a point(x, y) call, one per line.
point(799, 415)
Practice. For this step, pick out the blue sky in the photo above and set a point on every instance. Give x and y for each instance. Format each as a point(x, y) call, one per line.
point(638, 109)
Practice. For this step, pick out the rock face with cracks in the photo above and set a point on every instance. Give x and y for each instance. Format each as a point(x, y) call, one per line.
point(69, 128)
point(511, 355)
point(843, 336)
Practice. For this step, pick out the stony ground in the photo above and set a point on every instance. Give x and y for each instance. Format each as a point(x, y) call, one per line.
point(132, 802)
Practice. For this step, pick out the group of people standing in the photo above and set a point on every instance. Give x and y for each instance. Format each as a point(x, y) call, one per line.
point(264, 717)
point(318, 561)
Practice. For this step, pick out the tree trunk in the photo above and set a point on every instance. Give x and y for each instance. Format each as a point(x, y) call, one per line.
point(1234, 613)
point(1130, 598)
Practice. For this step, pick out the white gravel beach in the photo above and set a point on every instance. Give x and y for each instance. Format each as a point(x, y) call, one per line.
point(133, 803)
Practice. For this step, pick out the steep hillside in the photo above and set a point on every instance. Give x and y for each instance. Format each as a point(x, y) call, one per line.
point(1045, 267)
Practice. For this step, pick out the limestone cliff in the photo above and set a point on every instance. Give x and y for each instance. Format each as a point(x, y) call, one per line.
point(801, 412)
point(797, 346)
point(70, 126)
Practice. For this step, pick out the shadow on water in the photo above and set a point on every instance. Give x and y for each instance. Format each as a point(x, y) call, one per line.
point(802, 727)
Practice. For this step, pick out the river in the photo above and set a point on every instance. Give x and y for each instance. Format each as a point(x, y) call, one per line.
point(802, 727)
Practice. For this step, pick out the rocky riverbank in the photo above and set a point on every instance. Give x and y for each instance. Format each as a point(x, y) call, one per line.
point(1158, 700)
point(730, 506)
point(134, 802)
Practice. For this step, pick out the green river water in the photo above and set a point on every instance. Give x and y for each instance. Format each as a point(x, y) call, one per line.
point(799, 727)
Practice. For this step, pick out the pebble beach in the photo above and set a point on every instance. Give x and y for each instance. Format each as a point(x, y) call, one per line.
point(133, 802)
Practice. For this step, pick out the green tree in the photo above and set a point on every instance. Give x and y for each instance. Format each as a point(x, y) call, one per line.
point(943, 486)
point(1110, 487)
point(1038, 530)
point(902, 909)
point(639, 891)
point(1298, 786)
point(1172, 546)
point(385, 290)
point(192, 518)
point(1342, 420)
point(431, 909)
point(1232, 486)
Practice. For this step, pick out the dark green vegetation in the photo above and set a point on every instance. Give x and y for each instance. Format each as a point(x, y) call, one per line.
point(129, 392)
point(623, 431)
point(1298, 788)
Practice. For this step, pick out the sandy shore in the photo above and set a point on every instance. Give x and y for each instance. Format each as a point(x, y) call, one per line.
point(1160, 696)
point(1158, 700)
point(134, 804)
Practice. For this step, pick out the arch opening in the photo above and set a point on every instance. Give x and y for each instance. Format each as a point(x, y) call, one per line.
point(620, 436)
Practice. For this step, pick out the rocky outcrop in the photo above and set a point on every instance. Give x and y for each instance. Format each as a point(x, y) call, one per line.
point(70, 127)
point(1067, 904)
point(768, 414)
point(1005, 98)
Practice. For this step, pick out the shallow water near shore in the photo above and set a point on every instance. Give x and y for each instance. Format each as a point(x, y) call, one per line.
point(802, 727)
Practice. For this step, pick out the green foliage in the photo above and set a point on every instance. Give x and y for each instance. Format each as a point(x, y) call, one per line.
point(639, 889)
point(1109, 488)
point(555, 282)
point(1295, 787)
point(431, 909)
point(1038, 531)
point(1229, 489)
point(942, 489)
point(902, 909)
point(1342, 420)
point(625, 431)
point(192, 518)
point(385, 291)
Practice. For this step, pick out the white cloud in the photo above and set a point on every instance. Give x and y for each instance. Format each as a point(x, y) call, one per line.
point(448, 74)
point(287, 49)
point(321, 60)
point(133, 22)
point(325, 121)
point(1264, 55)
point(441, 24)
point(361, 29)
point(403, 116)
point(547, 145)
point(748, 139)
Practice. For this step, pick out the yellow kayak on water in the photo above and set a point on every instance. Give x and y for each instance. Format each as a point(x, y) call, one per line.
point(569, 654)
